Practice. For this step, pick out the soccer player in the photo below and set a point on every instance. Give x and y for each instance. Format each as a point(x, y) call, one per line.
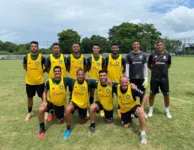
point(115, 64)
point(159, 62)
point(54, 59)
point(79, 99)
point(129, 105)
point(104, 101)
point(75, 61)
point(56, 87)
point(95, 63)
point(33, 64)
point(136, 67)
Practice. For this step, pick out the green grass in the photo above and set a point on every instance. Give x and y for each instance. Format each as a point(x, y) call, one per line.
point(163, 133)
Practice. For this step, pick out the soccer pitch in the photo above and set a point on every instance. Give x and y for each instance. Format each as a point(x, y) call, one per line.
point(163, 133)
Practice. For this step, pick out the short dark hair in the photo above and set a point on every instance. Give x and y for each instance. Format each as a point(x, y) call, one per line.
point(55, 44)
point(56, 67)
point(80, 69)
point(115, 44)
point(96, 44)
point(34, 42)
point(75, 43)
point(136, 41)
point(160, 41)
point(102, 71)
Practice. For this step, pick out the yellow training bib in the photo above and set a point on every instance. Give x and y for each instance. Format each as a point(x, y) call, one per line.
point(80, 94)
point(34, 73)
point(104, 96)
point(96, 66)
point(57, 93)
point(125, 101)
point(75, 64)
point(114, 68)
point(57, 62)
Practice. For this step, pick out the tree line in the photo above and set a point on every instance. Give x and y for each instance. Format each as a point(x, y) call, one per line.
point(124, 34)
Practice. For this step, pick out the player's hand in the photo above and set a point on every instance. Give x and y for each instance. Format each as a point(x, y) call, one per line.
point(109, 82)
point(145, 83)
point(86, 77)
point(44, 103)
point(133, 86)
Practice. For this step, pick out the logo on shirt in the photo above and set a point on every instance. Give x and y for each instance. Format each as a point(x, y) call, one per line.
point(98, 64)
point(61, 86)
point(108, 90)
point(60, 61)
point(127, 96)
point(83, 88)
point(117, 63)
point(79, 61)
point(37, 63)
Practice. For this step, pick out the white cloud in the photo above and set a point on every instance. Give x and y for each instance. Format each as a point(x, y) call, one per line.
point(43, 19)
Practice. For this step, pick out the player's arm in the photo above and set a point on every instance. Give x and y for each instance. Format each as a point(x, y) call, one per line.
point(150, 62)
point(85, 65)
point(44, 64)
point(44, 95)
point(169, 61)
point(145, 71)
point(127, 68)
point(114, 87)
point(106, 63)
point(68, 63)
point(48, 64)
point(25, 63)
point(124, 65)
point(88, 64)
point(92, 83)
point(103, 64)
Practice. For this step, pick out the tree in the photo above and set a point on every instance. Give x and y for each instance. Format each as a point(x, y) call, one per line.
point(172, 46)
point(86, 45)
point(126, 33)
point(67, 38)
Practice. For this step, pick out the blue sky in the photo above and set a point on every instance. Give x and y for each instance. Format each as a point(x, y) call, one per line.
point(41, 20)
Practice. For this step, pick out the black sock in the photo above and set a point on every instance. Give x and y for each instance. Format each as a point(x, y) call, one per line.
point(51, 111)
point(42, 127)
point(118, 107)
point(91, 100)
point(68, 127)
point(29, 109)
point(92, 125)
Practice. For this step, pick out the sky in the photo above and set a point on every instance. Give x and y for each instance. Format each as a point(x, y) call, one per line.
point(26, 20)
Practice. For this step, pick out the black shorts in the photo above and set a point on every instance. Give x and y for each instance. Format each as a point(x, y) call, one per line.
point(126, 117)
point(32, 89)
point(108, 113)
point(138, 83)
point(82, 112)
point(59, 110)
point(163, 84)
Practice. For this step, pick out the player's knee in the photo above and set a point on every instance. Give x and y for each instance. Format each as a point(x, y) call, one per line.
point(93, 108)
point(42, 109)
point(69, 109)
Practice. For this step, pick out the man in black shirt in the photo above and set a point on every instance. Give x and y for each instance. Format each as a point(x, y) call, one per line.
point(159, 62)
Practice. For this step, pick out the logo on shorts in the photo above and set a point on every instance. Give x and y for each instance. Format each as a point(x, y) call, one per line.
point(117, 63)
point(164, 57)
point(83, 88)
point(61, 86)
point(108, 90)
point(79, 61)
point(140, 56)
point(127, 96)
point(60, 61)
point(37, 63)
point(98, 64)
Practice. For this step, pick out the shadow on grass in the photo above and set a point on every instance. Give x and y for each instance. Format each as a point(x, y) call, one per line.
point(190, 94)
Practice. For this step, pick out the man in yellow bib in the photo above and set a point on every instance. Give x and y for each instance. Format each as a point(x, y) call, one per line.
point(79, 99)
point(54, 59)
point(128, 105)
point(57, 99)
point(95, 63)
point(115, 64)
point(33, 64)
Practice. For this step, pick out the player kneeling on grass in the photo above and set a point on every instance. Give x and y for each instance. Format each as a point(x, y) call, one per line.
point(79, 99)
point(57, 99)
point(104, 101)
point(128, 105)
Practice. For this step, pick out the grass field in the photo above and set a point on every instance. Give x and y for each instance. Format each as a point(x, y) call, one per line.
point(176, 133)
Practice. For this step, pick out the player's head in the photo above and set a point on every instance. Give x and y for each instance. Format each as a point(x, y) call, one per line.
point(124, 82)
point(55, 48)
point(103, 76)
point(115, 48)
point(136, 46)
point(80, 75)
point(160, 46)
point(34, 46)
point(57, 71)
point(96, 48)
point(76, 48)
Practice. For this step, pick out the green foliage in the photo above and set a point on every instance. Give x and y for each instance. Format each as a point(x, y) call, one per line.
point(4, 52)
point(67, 38)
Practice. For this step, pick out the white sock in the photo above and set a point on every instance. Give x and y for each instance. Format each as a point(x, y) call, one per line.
point(151, 108)
point(167, 109)
point(143, 133)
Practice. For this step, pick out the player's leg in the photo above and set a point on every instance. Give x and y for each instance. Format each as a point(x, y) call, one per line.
point(154, 89)
point(140, 113)
point(92, 90)
point(42, 109)
point(59, 113)
point(30, 90)
point(93, 109)
point(82, 115)
point(71, 107)
point(126, 119)
point(164, 86)
point(108, 116)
